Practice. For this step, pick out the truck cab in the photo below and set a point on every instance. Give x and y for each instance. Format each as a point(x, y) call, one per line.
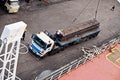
point(41, 44)
point(12, 6)
point(118, 1)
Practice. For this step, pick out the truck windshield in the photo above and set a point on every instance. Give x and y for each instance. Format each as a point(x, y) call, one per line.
point(14, 3)
point(39, 42)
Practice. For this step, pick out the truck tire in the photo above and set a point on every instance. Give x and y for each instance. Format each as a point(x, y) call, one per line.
point(62, 48)
point(53, 52)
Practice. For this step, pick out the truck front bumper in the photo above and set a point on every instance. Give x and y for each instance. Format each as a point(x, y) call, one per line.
point(34, 52)
point(13, 9)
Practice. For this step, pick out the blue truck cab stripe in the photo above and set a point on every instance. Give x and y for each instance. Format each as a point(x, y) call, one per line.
point(35, 49)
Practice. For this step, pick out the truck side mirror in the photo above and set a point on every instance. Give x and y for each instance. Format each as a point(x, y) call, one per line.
point(32, 35)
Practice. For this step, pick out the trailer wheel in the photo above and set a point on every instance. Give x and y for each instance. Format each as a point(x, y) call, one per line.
point(93, 36)
point(90, 37)
point(86, 39)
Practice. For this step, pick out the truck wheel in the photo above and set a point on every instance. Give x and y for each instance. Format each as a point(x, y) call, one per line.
point(41, 57)
point(52, 52)
point(63, 48)
point(49, 53)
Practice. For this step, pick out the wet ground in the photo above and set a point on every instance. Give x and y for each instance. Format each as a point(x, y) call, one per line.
point(39, 17)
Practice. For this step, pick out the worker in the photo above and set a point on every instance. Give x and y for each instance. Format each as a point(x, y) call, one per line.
point(23, 36)
point(113, 7)
point(59, 34)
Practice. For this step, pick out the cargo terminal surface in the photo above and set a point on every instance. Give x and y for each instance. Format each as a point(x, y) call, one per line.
point(52, 17)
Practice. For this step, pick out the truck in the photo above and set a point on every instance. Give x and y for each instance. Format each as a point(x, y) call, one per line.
point(12, 6)
point(118, 1)
point(44, 42)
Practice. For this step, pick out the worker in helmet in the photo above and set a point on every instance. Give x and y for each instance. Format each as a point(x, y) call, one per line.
point(23, 36)
point(59, 34)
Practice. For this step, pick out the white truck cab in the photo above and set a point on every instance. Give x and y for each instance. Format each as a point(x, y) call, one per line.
point(118, 1)
point(41, 44)
point(12, 6)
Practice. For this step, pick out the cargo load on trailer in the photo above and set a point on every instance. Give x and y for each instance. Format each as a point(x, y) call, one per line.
point(79, 29)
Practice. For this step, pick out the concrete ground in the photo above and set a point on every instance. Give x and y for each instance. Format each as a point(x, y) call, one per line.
point(40, 17)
